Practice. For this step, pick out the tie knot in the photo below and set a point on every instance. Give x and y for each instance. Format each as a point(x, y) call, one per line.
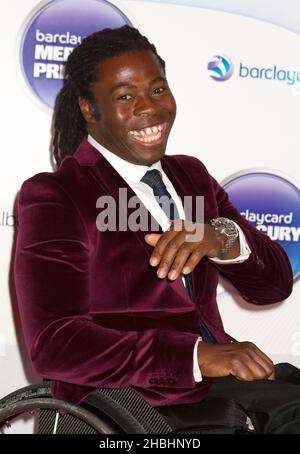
point(154, 180)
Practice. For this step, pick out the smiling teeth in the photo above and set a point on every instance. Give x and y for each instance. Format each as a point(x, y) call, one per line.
point(148, 134)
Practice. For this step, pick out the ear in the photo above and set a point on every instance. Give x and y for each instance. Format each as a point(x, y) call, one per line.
point(87, 110)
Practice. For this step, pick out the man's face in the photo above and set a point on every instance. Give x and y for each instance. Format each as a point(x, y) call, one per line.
point(135, 105)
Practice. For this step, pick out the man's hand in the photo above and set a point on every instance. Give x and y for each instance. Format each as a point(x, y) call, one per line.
point(174, 255)
point(243, 360)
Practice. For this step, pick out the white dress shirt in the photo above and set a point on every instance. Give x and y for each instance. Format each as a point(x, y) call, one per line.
point(132, 174)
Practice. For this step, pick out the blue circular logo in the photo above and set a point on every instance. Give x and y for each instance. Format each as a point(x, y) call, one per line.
point(220, 68)
point(51, 35)
point(272, 204)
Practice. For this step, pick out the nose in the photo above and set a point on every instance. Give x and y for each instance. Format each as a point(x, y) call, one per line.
point(144, 106)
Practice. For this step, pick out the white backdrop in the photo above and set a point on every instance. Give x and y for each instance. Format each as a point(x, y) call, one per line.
point(233, 125)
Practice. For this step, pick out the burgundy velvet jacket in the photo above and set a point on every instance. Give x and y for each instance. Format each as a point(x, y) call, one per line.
point(94, 312)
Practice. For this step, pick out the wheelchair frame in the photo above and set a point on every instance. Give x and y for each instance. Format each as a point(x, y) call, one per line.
point(105, 411)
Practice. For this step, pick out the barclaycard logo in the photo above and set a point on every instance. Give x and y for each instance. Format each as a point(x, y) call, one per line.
point(271, 203)
point(220, 68)
point(51, 34)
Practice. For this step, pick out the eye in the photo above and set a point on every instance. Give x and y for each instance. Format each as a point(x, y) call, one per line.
point(159, 90)
point(125, 97)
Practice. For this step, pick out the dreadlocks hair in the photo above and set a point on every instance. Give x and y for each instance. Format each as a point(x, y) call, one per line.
point(81, 71)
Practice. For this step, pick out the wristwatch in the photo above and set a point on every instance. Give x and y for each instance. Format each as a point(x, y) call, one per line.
point(227, 228)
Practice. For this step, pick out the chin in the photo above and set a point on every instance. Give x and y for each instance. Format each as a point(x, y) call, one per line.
point(149, 157)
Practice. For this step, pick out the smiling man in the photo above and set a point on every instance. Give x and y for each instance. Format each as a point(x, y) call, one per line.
point(120, 308)
point(133, 109)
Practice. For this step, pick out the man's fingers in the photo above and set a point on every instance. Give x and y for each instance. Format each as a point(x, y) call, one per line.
point(161, 242)
point(172, 251)
point(243, 372)
point(247, 368)
point(194, 259)
point(166, 246)
point(152, 238)
point(262, 355)
point(264, 361)
point(261, 369)
point(238, 359)
point(179, 262)
point(260, 364)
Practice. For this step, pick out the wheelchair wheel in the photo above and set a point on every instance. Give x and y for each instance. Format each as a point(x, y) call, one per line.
point(32, 410)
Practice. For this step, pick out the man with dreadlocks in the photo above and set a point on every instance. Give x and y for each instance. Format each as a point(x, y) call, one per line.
point(115, 307)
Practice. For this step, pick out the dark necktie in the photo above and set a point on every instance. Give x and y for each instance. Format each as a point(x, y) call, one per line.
point(154, 180)
point(163, 197)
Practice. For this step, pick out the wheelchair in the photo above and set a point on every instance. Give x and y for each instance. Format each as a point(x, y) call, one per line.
point(105, 411)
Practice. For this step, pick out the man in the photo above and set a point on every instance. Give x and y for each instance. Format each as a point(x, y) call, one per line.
point(118, 307)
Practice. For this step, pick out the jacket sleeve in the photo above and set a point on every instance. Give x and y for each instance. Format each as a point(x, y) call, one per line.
point(52, 282)
point(266, 276)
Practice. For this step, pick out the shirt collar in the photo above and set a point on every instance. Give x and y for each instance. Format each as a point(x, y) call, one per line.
point(127, 170)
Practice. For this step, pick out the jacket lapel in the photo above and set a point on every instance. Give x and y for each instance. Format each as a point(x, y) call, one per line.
point(185, 187)
point(182, 183)
point(110, 181)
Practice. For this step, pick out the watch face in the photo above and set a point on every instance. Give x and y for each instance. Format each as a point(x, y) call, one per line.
point(230, 229)
point(225, 226)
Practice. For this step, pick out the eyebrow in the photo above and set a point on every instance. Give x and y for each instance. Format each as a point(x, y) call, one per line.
point(128, 85)
point(158, 79)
